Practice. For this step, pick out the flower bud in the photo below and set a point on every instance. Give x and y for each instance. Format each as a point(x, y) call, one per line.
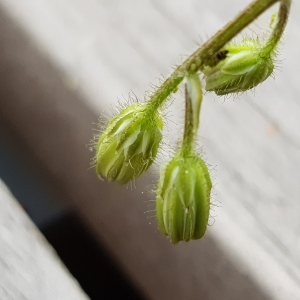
point(246, 65)
point(129, 144)
point(183, 198)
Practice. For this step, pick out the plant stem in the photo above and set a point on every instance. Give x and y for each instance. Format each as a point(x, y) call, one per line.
point(205, 54)
point(282, 18)
point(193, 101)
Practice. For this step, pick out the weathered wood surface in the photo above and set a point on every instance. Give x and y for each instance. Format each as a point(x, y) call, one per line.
point(79, 56)
point(29, 268)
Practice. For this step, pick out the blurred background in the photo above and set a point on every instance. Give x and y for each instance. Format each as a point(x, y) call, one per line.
point(63, 64)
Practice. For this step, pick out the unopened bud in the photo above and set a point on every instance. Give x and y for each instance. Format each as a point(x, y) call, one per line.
point(183, 198)
point(129, 144)
point(246, 65)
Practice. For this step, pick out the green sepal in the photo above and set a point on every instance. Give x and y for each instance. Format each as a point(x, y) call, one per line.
point(183, 198)
point(129, 144)
point(246, 65)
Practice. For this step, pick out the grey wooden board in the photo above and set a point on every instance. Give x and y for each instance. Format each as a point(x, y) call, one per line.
point(29, 268)
point(103, 50)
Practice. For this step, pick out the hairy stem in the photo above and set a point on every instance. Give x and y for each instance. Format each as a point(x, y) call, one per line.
point(282, 18)
point(193, 101)
point(205, 55)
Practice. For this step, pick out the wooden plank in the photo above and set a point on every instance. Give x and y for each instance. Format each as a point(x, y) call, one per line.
point(101, 50)
point(29, 267)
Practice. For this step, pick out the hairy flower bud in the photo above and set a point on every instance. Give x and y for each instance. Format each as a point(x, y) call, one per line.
point(183, 198)
point(246, 65)
point(129, 144)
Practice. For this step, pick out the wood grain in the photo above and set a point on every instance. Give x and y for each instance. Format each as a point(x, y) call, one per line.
point(77, 57)
point(29, 267)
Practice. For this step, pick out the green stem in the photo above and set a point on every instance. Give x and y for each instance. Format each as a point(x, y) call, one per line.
point(282, 18)
point(206, 53)
point(193, 101)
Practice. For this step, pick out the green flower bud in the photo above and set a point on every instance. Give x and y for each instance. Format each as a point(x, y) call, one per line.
point(129, 144)
point(183, 198)
point(246, 65)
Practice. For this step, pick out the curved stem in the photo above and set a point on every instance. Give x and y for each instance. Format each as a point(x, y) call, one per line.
point(205, 54)
point(282, 18)
point(193, 100)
